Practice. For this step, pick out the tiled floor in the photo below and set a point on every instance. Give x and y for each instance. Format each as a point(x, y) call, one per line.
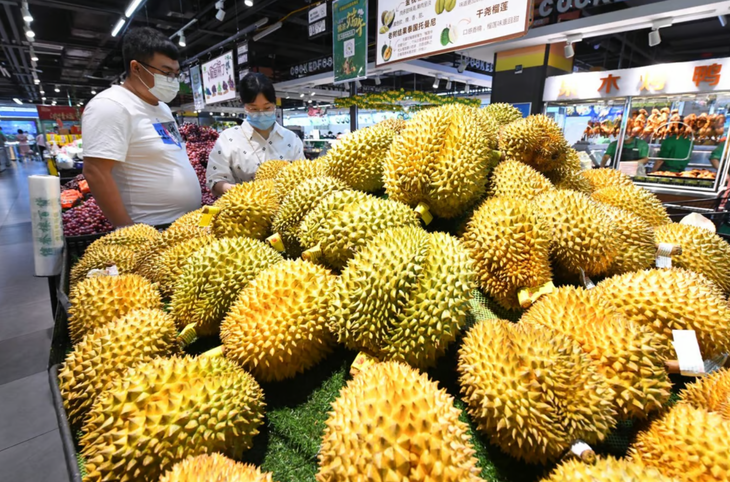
point(30, 445)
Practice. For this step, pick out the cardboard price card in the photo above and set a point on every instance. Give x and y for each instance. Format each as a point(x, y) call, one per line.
point(409, 29)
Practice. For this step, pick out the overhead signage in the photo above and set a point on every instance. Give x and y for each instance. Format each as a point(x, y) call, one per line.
point(478, 65)
point(218, 79)
point(317, 28)
point(409, 29)
point(318, 20)
point(552, 11)
point(59, 113)
point(350, 39)
point(312, 67)
point(242, 52)
point(196, 81)
point(704, 76)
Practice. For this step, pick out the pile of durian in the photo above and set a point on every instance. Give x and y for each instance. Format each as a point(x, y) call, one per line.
point(344, 250)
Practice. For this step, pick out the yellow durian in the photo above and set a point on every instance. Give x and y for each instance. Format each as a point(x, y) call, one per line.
point(103, 257)
point(247, 209)
point(607, 469)
point(636, 200)
point(536, 140)
point(503, 113)
point(214, 468)
point(711, 392)
point(169, 265)
point(635, 239)
point(605, 177)
point(268, 170)
point(297, 172)
point(147, 259)
point(513, 179)
point(134, 238)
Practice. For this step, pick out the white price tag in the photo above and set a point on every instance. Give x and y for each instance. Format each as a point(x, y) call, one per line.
point(664, 255)
point(579, 447)
point(688, 353)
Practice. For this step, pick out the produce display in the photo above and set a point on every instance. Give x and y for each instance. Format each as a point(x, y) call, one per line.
point(445, 298)
point(692, 173)
point(86, 218)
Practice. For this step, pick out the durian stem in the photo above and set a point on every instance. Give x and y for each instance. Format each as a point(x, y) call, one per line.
point(672, 366)
point(188, 335)
point(312, 254)
point(276, 242)
point(424, 213)
point(214, 353)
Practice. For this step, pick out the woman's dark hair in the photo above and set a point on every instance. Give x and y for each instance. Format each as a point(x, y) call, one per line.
point(254, 84)
point(20, 131)
point(141, 44)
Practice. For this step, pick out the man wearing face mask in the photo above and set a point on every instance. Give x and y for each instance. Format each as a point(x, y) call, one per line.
point(240, 150)
point(134, 157)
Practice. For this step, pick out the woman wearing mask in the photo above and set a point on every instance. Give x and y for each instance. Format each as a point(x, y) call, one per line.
point(240, 150)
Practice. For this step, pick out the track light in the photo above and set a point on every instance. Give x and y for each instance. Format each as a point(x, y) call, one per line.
point(27, 17)
point(220, 15)
point(377, 80)
point(436, 82)
point(312, 93)
point(358, 84)
point(722, 19)
point(118, 27)
point(569, 51)
point(29, 33)
point(248, 3)
point(466, 88)
point(220, 4)
point(181, 42)
point(57, 89)
point(93, 91)
point(43, 92)
point(461, 67)
point(301, 95)
point(36, 81)
point(53, 103)
point(33, 58)
point(17, 101)
point(655, 37)
point(43, 98)
point(273, 28)
point(448, 84)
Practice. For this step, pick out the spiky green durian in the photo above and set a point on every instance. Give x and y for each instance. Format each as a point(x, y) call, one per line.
point(147, 259)
point(442, 159)
point(296, 173)
point(488, 125)
point(636, 200)
point(165, 410)
point(305, 197)
point(213, 277)
point(247, 209)
point(214, 468)
point(134, 238)
point(357, 158)
point(169, 265)
point(98, 301)
point(711, 392)
point(106, 352)
point(277, 326)
point(583, 235)
point(391, 423)
point(688, 443)
point(103, 257)
point(344, 221)
point(628, 354)
point(503, 113)
point(511, 246)
point(191, 219)
point(513, 179)
point(404, 296)
point(570, 175)
point(605, 177)
point(607, 469)
point(536, 140)
point(532, 391)
point(268, 170)
point(394, 123)
point(635, 238)
point(672, 299)
point(702, 251)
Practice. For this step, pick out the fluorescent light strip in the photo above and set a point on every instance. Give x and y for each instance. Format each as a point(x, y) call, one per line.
point(131, 8)
point(17, 101)
point(118, 26)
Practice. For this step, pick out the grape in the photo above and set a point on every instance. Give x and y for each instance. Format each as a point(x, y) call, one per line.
point(86, 218)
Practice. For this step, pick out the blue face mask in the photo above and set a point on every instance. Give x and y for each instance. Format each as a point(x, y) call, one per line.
point(262, 120)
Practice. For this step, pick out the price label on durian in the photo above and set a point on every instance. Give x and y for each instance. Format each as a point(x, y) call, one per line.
point(411, 29)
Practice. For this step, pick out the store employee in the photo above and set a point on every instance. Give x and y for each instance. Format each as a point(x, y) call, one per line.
point(240, 150)
point(135, 160)
point(634, 150)
point(674, 154)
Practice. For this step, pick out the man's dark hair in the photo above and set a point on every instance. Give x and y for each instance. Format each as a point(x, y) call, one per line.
point(20, 131)
point(254, 84)
point(141, 44)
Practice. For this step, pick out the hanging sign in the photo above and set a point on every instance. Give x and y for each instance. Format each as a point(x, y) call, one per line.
point(312, 67)
point(218, 79)
point(318, 20)
point(350, 39)
point(197, 86)
point(409, 29)
point(242, 54)
point(59, 113)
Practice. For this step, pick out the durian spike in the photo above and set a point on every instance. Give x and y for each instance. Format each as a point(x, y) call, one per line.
point(275, 242)
point(213, 353)
point(188, 335)
point(313, 254)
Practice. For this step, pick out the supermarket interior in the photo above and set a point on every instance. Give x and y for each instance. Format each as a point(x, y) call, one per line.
point(364, 240)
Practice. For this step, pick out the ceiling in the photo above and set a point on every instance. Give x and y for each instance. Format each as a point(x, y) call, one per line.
point(77, 53)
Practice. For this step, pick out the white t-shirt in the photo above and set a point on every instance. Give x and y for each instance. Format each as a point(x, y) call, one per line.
point(154, 175)
point(240, 150)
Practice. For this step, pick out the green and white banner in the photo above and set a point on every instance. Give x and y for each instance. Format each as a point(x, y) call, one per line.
point(350, 39)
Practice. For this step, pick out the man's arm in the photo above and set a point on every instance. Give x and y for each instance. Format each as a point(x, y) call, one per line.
point(605, 159)
point(715, 163)
point(98, 173)
point(657, 164)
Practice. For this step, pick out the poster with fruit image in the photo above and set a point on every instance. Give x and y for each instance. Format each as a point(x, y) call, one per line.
point(412, 29)
point(350, 39)
point(218, 77)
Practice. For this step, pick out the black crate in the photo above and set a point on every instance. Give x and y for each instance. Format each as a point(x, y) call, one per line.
point(76, 245)
point(67, 439)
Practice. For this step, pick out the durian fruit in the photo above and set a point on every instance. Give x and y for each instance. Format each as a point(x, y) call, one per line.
point(513, 179)
point(186, 221)
point(133, 237)
point(636, 200)
point(583, 235)
point(489, 126)
point(570, 176)
point(606, 177)
point(247, 209)
point(536, 140)
point(344, 221)
point(702, 251)
point(165, 410)
point(357, 158)
point(404, 296)
point(214, 468)
point(391, 423)
point(268, 170)
point(147, 259)
point(608, 469)
point(169, 265)
point(688, 443)
point(104, 353)
point(627, 354)
point(510, 244)
point(532, 391)
point(672, 299)
point(103, 257)
point(441, 159)
point(503, 113)
point(296, 173)
point(213, 277)
point(394, 124)
point(711, 392)
point(98, 301)
point(277, 326)
point(635, 238)
point(295, 206)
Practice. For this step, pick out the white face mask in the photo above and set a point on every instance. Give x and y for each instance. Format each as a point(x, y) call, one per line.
point(164, 90)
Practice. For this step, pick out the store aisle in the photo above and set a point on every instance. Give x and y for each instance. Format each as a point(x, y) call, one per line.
point(30, 444)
